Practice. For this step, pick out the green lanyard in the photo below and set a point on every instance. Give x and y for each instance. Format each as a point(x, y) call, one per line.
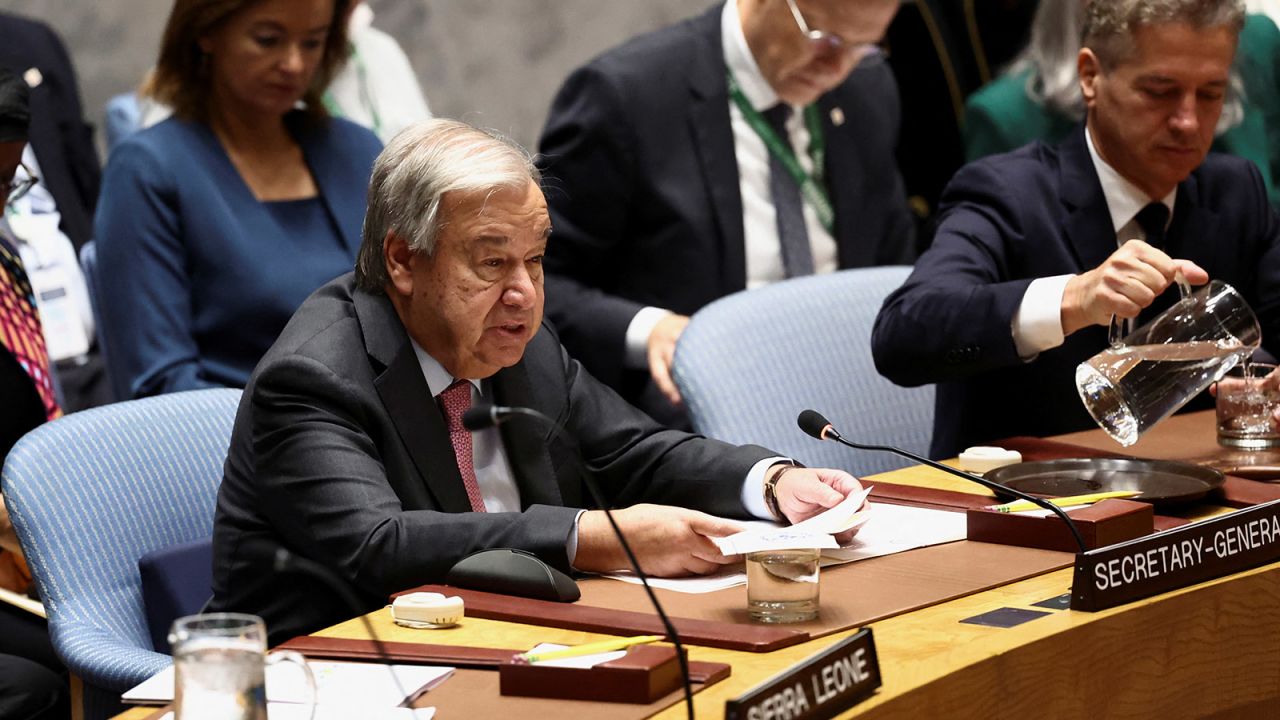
point(362, 82)
point(811, 184)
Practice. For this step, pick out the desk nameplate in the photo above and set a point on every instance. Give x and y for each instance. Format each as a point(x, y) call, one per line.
point(820, 686)
point(1174, 559)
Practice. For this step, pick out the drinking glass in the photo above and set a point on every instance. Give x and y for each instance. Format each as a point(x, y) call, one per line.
point(219, 662)
point(1246, 406)
point(1159, 367)
point(782, 585)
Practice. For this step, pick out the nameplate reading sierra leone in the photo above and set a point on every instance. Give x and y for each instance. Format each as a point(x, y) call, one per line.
point(821, 686)
point(1173, 559)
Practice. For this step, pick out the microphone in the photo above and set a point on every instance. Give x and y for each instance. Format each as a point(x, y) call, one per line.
point(815, 425)
point(485, 416)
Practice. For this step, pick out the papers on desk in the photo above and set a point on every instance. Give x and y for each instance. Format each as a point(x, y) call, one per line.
point(888, 529)
point(816, 532)
point(338, 685)
point(287, 711)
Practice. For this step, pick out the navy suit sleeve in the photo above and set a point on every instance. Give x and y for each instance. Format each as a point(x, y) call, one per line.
point(588, 166)
point(952, 318)
point(145, 314)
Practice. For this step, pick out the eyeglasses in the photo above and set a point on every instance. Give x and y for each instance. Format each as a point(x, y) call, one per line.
point(821, 41)
point(16, 188)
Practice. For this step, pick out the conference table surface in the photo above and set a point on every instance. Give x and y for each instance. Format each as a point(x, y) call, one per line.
point(1210, 650)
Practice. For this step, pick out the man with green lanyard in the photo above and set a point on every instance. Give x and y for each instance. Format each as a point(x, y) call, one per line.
point(748, 145)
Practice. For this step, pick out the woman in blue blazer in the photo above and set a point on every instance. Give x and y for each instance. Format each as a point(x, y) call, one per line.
point(214, 226)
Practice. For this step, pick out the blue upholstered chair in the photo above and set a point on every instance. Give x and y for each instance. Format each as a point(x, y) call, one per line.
point(92, 493)
point(750, 362)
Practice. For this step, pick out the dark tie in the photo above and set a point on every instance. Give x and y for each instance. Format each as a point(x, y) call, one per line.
point(797, 257)
point(456, 400)
point(20, 331)
point(1152, 219)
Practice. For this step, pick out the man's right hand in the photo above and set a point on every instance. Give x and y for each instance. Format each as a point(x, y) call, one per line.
point(662, 350)
point(1123, 285)
point(668, 541)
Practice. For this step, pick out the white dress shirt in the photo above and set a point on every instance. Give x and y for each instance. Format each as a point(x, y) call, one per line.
point(1037, 324)
point(759, 219)
point(497, 483)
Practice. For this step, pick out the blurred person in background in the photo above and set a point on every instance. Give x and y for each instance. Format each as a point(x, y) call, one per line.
point(1038, 96)
point(214, 225)
point(54, 219)
point(32, 680)
point(376, 88)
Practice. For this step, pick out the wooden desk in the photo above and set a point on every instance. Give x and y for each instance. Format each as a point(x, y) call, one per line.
point(1210, 650)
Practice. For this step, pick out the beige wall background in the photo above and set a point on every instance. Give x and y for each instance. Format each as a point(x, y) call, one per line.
point(495, 63)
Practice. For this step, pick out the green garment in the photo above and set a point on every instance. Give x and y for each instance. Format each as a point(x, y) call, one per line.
point(1001, 116)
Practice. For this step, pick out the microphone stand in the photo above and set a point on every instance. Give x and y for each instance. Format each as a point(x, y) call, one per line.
point(494, 414)
point(830, 432)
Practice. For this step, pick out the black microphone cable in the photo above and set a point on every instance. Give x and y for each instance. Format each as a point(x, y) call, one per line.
point(815, 425)
point(285, 561)
point(483, 416)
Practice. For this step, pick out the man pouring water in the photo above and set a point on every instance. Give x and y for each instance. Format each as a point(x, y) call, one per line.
point(1037, 250)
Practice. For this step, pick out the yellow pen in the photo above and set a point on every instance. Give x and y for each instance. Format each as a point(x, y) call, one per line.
point(587, 649)
point(1021, 505)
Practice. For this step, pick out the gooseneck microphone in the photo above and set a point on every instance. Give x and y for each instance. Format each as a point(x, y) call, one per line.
point(815, 425)
point(484, 416)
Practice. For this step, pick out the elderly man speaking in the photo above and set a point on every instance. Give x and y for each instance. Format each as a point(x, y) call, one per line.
point(348, 447)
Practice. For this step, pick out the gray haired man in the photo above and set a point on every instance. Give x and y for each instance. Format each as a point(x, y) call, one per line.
point(348, 447)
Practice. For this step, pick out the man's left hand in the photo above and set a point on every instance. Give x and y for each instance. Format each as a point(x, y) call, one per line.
point(805, 492)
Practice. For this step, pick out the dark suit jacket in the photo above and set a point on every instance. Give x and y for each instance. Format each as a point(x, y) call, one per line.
point(1039, 212)
point(340, 454)
point(642, 184)
point(62, 140)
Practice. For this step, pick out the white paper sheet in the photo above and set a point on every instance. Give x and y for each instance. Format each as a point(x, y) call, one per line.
point(372, 685)
point(816, 532)
point(889, 529)
point(289, 711)
point(895, 528)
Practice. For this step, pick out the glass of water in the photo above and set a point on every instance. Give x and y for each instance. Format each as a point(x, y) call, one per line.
point(782, 585)
point(1245, 408)
point(219, 662)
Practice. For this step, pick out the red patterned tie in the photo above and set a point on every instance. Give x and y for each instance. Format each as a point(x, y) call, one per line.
point(20, 327)
point(456, 400)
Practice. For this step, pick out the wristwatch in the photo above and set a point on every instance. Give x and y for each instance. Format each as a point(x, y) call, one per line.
point(771, 490)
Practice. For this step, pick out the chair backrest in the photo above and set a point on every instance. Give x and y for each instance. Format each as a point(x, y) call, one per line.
point(93, 492)
point(748, 363)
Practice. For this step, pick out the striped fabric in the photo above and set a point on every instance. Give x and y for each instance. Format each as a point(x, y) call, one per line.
point(20, 331)
point(750, 362)
point(93, 492)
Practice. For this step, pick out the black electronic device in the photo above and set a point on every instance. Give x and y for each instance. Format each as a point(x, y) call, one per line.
point(513, 572)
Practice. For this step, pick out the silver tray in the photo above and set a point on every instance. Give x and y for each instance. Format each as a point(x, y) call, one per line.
point(1161, 482)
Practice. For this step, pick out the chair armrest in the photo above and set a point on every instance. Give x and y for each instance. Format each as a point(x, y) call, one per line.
point(102, 659)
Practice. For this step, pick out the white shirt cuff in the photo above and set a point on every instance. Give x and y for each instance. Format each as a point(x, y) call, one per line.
point(753, 488)
point(638, 332)
point(1037, 325)
point(571, 547)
